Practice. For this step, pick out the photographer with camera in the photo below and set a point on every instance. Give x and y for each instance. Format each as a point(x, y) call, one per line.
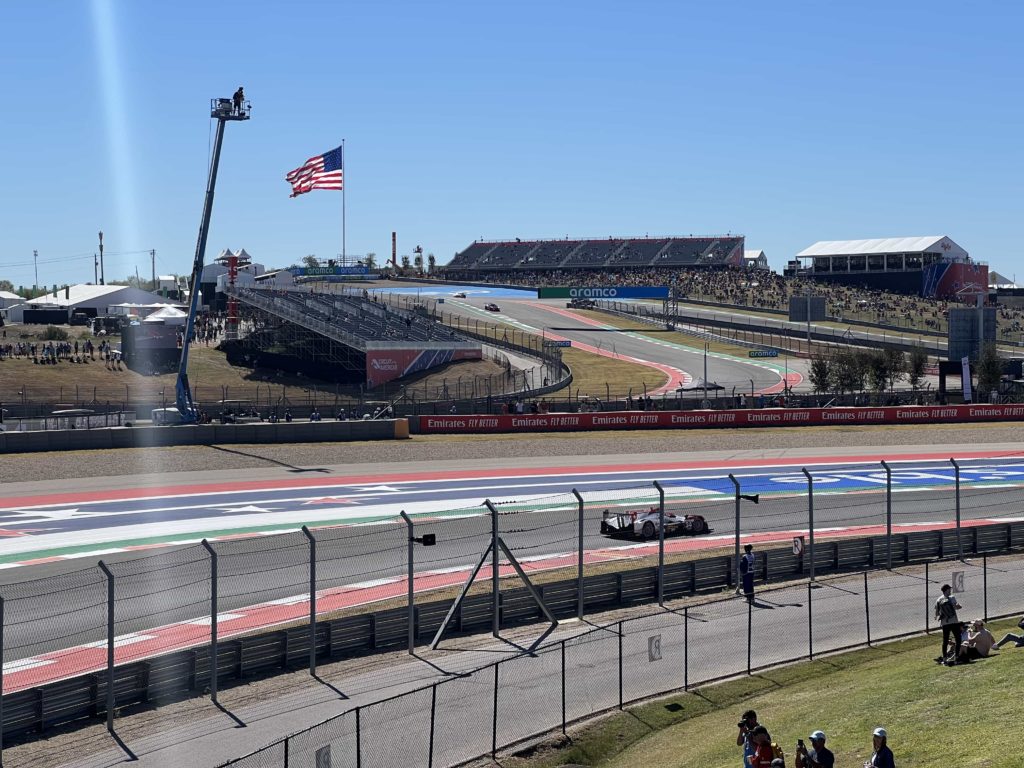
point(819, 756)
point(745, 737)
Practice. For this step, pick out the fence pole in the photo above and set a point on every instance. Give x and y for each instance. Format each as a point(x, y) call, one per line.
point(686, 648)
point(867, 607)
point(810, 622)
point(810, 516)
point(661, 543)
point(495, 585)
point(359, 740)
point(984, 594)
point(110, 645)
point(927, 599)
point(494, 715)
point(213, 619)
point(312, 600)
point(1, 678)
point(579, 558)
point(750, 633)
point(620, 664)
point(409, 573)
point(736, 556)
point(956, 475)
point(433, 713)
point(888, 516)
point(563, 687)
point(287, 751)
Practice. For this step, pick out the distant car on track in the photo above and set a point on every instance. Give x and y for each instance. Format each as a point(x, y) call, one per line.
point(643, 523)
point(459, 295)
point(492, 307)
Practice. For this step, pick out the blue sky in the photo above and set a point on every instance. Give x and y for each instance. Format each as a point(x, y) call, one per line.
point(788, 122)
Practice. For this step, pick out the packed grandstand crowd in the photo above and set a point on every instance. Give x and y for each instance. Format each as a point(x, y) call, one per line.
point(763, 289)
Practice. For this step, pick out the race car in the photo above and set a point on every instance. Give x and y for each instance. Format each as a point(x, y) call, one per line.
point(459, 295)
point(643, 523)
point(492, 307)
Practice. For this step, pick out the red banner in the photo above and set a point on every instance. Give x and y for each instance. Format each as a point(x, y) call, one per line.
point(767, 417)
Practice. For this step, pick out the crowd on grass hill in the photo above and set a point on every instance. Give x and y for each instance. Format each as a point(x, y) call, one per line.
point(762, 289)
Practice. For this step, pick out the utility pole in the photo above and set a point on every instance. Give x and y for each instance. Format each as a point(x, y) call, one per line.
point(152, 262)
point(95, 269)
point(102, 281)
point(35, 262)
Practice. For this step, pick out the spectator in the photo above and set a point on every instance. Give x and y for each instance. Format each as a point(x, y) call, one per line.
point(764, 749)
point(945, 613)
point(882, 756)
point(745, 737)
point(978, 644)
point(747, 567)
point(819, 756)
point(1009, 637)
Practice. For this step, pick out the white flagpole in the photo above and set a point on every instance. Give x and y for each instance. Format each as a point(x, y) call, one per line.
point(344, 183)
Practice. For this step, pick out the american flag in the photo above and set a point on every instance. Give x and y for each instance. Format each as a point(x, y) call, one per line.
point(324, 171)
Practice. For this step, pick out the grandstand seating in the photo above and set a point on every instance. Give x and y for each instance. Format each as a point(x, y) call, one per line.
point(549, 254)
point(637, 253)
point(469, 257)
point(592, 253)
point(506, 255)
point(683, 252)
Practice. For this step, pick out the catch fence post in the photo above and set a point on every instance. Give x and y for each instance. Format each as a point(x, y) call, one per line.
point(312, 600)
point(810, 516)
point(810, 622)
point(495, 585)
point(494, 715)
point(1, 678)
point(956, 476)
point(686, 648)
point(579, 558)
point(750, 632)
point(888, 516)
point(927, 599)
point(433, 716)
point(410, 571)
point(661, 543)
point(620, 664)
point(867, 607)
point(110, 645)
point(359, 739)
point(563, 687)
point(736, 556)
point(984, 590)
point(213, 619)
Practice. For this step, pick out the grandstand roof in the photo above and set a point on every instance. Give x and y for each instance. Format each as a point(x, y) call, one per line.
point(921, 244)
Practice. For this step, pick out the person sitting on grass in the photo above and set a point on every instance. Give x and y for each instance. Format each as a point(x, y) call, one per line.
point(1009, 637)
point(978, 643)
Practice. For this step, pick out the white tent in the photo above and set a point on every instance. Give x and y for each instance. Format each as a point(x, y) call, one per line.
point(167, 316)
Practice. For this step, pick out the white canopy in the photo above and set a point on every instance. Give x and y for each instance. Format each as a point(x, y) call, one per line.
point(925, 244)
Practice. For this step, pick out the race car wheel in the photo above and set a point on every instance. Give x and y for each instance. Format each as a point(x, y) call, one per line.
point(647, 532)
point(704, 528)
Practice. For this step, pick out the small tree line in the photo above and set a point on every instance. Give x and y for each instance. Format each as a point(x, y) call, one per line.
point(848, 370)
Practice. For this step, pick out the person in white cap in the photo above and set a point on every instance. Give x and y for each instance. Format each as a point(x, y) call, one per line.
point(819, 756)
point(882, 756)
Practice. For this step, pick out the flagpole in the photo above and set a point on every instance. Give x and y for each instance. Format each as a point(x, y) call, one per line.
point(344, 261)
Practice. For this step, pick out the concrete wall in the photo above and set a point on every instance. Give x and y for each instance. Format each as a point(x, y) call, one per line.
point(205, 434)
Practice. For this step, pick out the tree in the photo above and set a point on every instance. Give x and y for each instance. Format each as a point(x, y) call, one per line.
point(989, 369)
point(431, 263)
point(6, 285)
point(405, 263)
point(895, 365)
point(820, 372)
point(370, 261)
point(915, 368)
point(878, 371)
point(310, 262)
point(418, 261)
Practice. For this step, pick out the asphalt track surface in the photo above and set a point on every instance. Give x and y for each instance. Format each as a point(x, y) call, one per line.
point(364, 550)
point(551, 317)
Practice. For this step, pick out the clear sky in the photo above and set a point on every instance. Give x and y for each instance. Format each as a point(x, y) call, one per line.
point(788, 122)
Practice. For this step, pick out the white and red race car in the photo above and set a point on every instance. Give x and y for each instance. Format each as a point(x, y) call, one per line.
point(643, 523)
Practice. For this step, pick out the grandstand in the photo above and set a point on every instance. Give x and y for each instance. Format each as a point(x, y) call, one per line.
point(350, 337)
point(482, 258)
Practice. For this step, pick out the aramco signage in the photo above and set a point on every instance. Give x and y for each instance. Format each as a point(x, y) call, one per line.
point(611, 292)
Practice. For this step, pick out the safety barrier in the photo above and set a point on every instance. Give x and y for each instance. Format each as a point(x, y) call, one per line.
point(762, 417)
